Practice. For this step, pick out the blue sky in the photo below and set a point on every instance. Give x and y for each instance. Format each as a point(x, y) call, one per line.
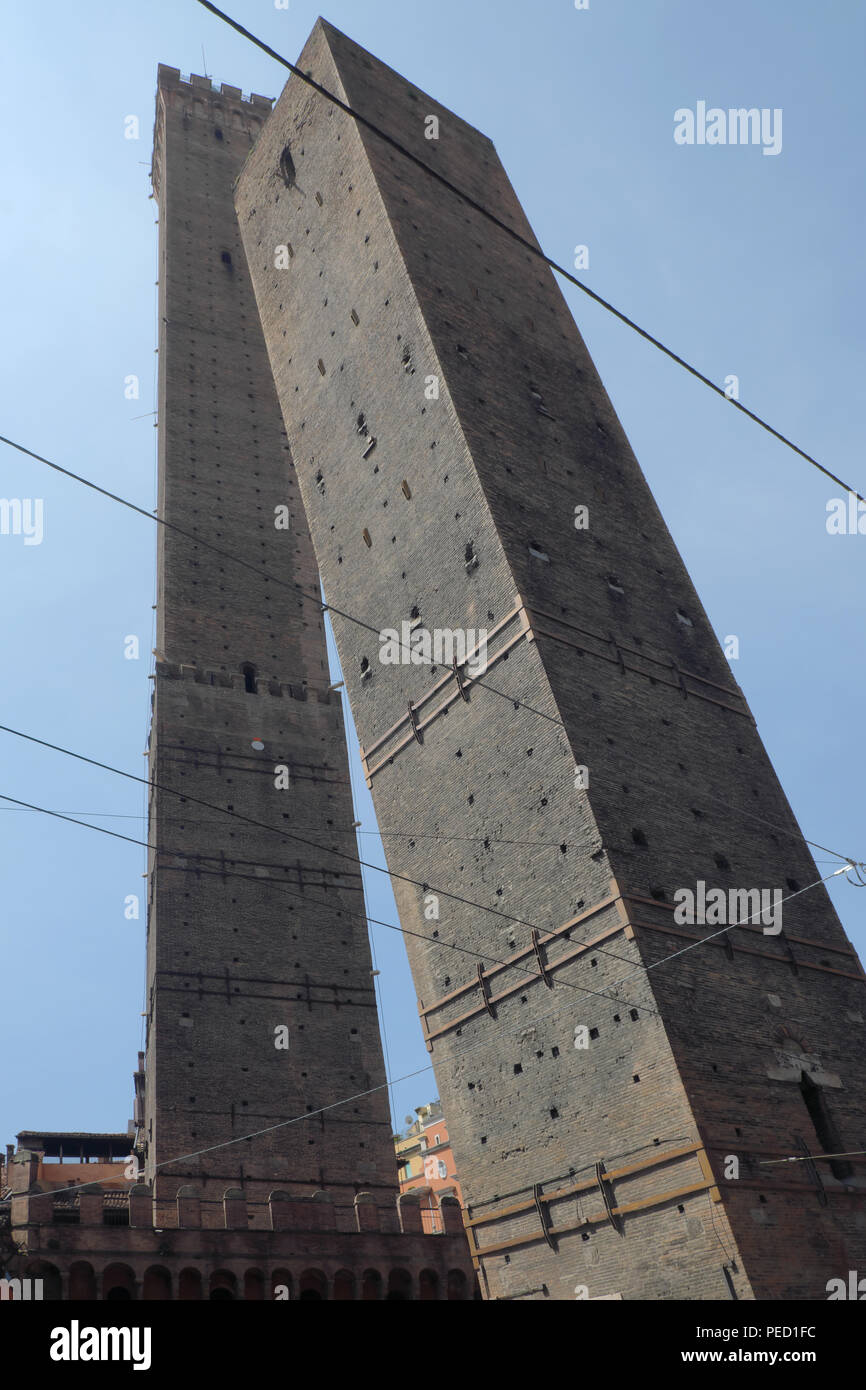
point(745, 264)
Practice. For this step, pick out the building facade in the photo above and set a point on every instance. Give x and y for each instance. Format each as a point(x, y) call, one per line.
point(425, 1164)
point(615, 1114)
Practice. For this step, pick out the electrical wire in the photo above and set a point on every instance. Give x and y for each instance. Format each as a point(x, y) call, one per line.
point(264, 574)
point(253, 878)
point(486, 840)
point(284, 834)
point(523, 241)
point(521, 1029)
point(259, 825)
point(642, 970)
point(846, 868)
point(811, 1158)
point(793, 833)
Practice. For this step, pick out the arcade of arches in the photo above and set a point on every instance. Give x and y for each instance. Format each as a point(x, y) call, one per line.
point(119, 1283)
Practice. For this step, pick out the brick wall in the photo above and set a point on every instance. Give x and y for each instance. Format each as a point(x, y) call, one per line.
point(96, 1246)
point(250, 931)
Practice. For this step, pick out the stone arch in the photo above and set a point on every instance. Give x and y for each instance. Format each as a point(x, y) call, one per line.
point(118, 1283)
point(279, 1209)
point(82, 1283)
point(52, 1284)
point(371, 1285)
point(456, 1284)
point(141, 1205)
point(189, 1285)
point(366, 1212)
point(313, 1286)
point(223, 1286)
point(344, 1284)
point(409, 1211)
point(235, 1212)
point(428, 1284)
point(156, 1286)
point(254, 1286)
point(282, 1283)
point(399, 1286)
point(188, 1206)
point(451, 1214)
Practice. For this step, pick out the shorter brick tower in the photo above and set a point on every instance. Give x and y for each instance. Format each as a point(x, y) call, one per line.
point(261, 1003)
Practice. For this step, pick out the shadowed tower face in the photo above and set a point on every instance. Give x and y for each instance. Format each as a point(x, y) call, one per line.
point(261, 1004)
point(462, 468)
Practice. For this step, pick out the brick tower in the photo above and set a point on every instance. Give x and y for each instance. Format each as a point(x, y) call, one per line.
point(251, 933)
point(462, 468)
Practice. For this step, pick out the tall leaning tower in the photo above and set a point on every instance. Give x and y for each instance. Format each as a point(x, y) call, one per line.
point(615, 1114)
point(261, 1003)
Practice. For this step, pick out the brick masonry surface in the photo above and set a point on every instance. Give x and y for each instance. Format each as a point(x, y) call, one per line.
point(250, 931)
point(458, 512)
point(103, 1246)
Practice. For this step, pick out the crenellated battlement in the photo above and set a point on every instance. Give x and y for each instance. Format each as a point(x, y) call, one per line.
point(195, 83)
point(93, 1205)
point(95, 1244)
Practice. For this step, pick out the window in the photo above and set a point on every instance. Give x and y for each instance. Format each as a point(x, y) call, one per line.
point(443, 1171)
point(249, 675)
point(436, 1139)
point(828, 1135)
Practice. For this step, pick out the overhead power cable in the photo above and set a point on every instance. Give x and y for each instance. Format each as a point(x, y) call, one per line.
point(332, 830)
point(277, 830)
point(523, 241)
point(794, 833)
point(811, 1158)
point(521, 1029)
point(312, 1114)
point(643, 969)
point(356, 830)
point(264, 574)
point(223, 872)
point(259, 825)
point(285, 834)
point(846, 869)
point(254, 878)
